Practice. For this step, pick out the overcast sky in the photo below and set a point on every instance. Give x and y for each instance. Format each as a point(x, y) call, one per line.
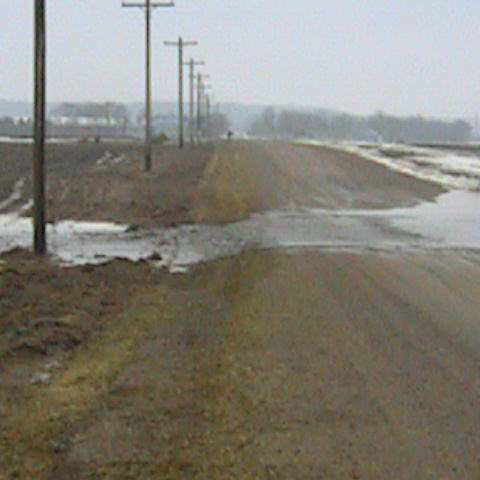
point(400, 56)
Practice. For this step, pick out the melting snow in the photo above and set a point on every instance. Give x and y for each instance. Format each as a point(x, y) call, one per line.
point(443, 167)
point(15, 195)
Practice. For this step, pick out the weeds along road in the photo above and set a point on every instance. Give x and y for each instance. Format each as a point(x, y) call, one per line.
point(275, 364)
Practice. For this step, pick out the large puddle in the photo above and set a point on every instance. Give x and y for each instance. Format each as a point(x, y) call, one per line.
point(452, 221)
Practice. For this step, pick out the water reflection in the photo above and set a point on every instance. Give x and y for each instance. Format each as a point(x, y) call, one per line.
point(452, 221)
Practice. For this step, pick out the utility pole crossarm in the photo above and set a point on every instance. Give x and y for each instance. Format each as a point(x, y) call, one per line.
point(184, 43)
point(152, 4)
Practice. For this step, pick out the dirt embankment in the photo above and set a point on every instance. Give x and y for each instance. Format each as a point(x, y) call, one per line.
point(107, 181)
point(63, 334)
point(123, 192)
point(61, 159)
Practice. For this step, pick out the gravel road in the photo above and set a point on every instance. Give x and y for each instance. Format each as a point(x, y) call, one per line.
point(281, 364)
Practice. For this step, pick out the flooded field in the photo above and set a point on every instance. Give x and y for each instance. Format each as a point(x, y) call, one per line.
point(449, 222)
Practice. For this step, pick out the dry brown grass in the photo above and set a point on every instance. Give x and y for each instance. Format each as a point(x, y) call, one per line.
point(124, 193)
point(106, 310)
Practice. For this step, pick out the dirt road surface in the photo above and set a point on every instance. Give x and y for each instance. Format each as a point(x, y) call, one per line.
point(274, 364)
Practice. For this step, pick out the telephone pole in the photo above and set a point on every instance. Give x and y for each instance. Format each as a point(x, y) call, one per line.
point(191, 124)
point(180, 44)
point(39, 215)
point(148, 6)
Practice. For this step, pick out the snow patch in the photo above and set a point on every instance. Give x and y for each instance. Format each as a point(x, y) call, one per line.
point(445, 168)
point(15, 195)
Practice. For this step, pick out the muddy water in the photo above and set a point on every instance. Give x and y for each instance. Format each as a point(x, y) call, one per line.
point(452, 221)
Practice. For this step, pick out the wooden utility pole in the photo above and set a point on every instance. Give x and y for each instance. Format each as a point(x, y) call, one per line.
point(180, 44)
point(39, 214)
point(148, 82)
point(191, 124)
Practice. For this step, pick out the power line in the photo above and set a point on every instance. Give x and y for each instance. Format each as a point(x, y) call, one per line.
point(148, 82)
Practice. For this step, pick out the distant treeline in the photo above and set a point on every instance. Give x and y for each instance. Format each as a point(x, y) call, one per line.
point(114, 112)
point(84, 120)
point(379, 127)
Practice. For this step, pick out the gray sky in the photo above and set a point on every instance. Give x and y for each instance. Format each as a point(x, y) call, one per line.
point(401, 56)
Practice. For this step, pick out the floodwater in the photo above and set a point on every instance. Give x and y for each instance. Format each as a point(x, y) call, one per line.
point(450, 222)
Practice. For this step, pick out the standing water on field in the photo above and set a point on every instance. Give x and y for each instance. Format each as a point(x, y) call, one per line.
point(452, 221)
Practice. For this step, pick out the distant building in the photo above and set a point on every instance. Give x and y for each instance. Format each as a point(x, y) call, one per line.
point(81, 120)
